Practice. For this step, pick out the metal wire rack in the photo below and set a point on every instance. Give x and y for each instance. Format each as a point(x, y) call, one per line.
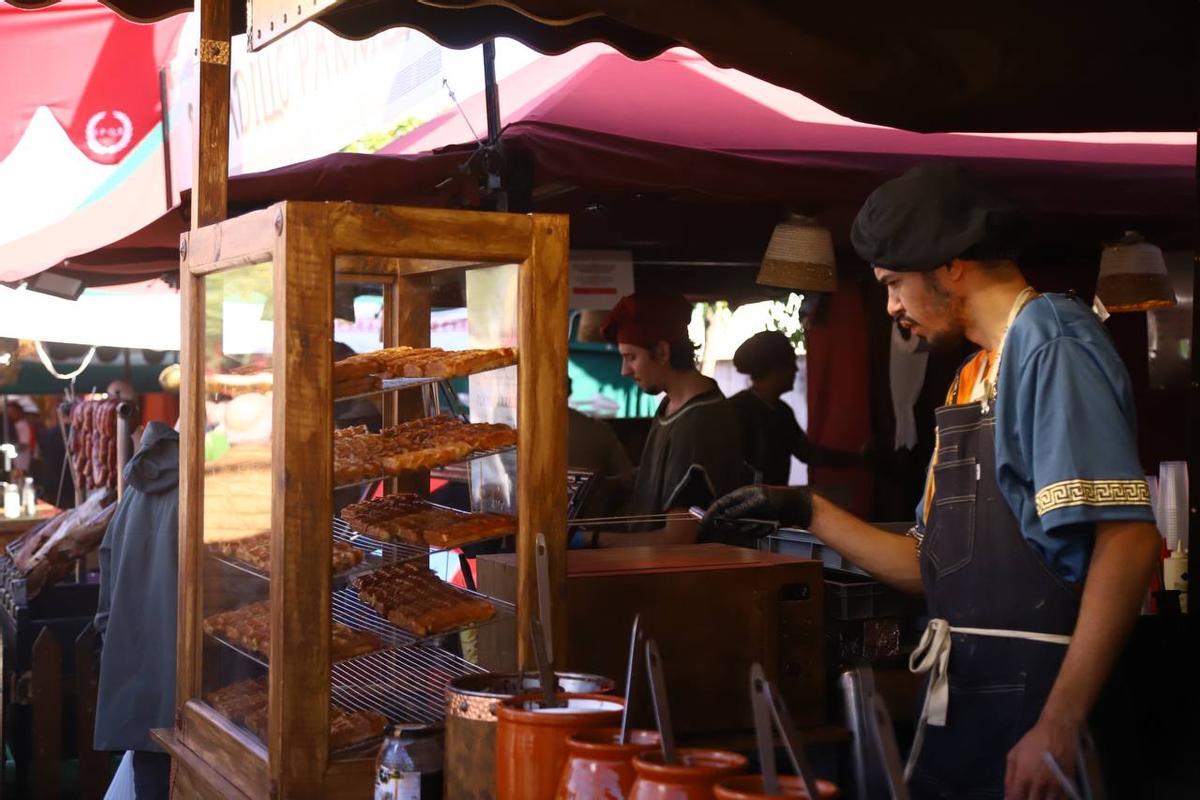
point(349, 610)
point(340, 579)
point(379, 553)
point(478, 454)
point(405, 685)
point(394, 384)
point(241, 651)
point(389, 385)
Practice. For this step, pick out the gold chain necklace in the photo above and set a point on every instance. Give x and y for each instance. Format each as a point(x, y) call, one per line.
point(992, 373)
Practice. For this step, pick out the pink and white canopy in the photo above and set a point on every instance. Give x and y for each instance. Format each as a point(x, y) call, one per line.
point(80, 114)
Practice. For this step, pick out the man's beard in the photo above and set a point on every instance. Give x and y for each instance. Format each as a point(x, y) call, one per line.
point(948, 340)
point(949, 309)
point(651, 389)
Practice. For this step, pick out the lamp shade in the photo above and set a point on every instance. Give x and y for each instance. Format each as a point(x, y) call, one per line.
point(1133, 276)
point(799, 257)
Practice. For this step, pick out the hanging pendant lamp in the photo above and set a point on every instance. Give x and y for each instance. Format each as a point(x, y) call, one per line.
point(1133, 276)
point(799, 257)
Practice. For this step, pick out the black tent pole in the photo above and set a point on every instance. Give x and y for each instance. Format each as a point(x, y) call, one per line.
point(491, 92)
point(1193, 407)
point(491, 95)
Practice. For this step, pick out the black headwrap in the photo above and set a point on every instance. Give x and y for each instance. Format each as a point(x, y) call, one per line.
point(931, 214)
point(763, 352)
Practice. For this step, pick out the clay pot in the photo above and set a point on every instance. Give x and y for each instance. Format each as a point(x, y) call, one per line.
point(471, 703)
point(750, 787)
point(600, 769)
point(531, 741)
point(693, 779)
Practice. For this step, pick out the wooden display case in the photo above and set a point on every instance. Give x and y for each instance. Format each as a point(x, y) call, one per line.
point(259, 298)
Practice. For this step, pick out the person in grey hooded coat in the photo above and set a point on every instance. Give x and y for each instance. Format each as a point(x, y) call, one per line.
point(136, 613)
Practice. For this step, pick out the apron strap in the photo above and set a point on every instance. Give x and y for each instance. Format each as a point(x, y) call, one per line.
point(932, 655)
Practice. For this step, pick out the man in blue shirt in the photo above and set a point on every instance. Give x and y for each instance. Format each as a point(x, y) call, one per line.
point(1035, 538)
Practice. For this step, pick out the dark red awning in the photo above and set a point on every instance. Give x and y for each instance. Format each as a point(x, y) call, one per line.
point(676, 150)
point(925, 65)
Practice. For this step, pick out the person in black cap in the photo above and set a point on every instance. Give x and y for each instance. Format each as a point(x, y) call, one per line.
point(1035, 541)
point(770, 433)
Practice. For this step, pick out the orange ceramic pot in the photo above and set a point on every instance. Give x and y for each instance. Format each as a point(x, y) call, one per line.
point(600, 769)
point(691, 780)
point(750, 787)
point(531, 741)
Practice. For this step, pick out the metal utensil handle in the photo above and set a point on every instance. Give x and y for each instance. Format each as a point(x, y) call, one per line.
point(760, 704)
point(791, 742)
point(1064, 783)
point(545, 669)
point(542, 562)
point(444, 387)
point(887, 743)
point(658, 694)
point(635, 636)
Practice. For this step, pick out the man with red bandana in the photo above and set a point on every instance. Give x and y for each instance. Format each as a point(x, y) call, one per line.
point(693, 451)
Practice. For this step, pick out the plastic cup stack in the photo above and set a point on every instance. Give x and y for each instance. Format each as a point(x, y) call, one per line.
point(1152, 482)
point(1172, 513)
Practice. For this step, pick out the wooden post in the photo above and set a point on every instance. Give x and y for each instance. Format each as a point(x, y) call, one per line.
point(94, 767)
point(46, 699)
point(210, 162)
point(302, 466)
point(210, 190)
point(542, 427)
point(409, 319)
point(190, 612)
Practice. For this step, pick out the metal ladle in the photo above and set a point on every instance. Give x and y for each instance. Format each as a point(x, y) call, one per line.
point(658, 694)
point(768, 704)
point(635, 638)
point(542, 572)
point(545, 668)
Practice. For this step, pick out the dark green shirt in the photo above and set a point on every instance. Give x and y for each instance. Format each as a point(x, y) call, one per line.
point(771, 436)
point(690, 457)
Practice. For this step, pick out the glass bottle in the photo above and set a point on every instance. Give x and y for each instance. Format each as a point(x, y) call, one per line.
point(409, 766)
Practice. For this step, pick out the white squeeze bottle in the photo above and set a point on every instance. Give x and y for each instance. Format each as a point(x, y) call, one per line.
point(29, 498)
point(1175, 575)
point(12, 501)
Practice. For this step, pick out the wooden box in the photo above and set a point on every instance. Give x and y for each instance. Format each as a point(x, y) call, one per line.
point(714, 610)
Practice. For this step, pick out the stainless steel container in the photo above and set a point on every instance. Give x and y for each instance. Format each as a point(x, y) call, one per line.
point(471, 724)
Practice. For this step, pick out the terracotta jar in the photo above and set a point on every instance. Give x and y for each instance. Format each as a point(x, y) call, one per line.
point(693, 779)
point(531, 741)
point(600, 769)
point(750, 787)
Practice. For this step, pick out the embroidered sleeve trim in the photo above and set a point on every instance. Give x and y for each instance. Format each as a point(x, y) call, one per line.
point(1066, 494)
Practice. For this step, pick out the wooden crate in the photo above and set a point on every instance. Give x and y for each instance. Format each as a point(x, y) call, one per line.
point(714, 610)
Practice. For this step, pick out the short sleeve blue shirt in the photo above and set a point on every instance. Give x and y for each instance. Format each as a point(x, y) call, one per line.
point(1066, 441)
